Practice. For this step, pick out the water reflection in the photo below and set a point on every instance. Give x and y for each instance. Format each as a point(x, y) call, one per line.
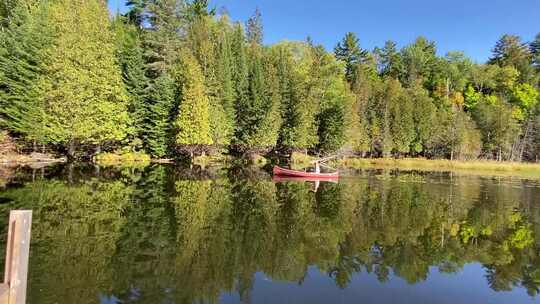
point(163, 235)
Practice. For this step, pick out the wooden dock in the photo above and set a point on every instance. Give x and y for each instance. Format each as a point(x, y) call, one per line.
point(13, 289)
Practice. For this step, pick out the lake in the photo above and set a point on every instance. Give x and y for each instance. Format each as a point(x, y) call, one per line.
point(163, 234)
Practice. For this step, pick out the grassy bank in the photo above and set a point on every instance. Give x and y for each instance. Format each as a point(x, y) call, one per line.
point(481, 167)
point(129, 159)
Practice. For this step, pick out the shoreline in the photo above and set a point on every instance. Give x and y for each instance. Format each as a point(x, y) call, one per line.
point(472, 167)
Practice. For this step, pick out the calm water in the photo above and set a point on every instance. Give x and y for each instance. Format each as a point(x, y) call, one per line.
point(167, 235)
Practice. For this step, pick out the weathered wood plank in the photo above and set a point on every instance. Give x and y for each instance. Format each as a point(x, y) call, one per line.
point(17, 254)
point(4, 293)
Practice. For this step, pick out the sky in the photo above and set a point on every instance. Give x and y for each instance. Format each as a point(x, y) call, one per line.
point(471, 26)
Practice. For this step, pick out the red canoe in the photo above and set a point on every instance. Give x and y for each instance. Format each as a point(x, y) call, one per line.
point(278, 171)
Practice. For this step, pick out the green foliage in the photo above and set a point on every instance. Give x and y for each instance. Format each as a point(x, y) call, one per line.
point(525, 96)
point(200, 237)
point(510, 51)
point(456, 136)
point(257, 109)
point(69, 77)
point(419, 61)
point(132, 65)
point(498, 127)
point(166, 19)
point(349, 51)
point(336, 104)
point(390, 60)
point(24, 53)
point(160, 106)
point(83, 88)
point(295, 65)
point(424, 114)
point(198, 9)
point(125, 159)
point(192, 123)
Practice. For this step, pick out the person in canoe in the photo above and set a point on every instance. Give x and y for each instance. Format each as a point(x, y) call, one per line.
point(316, 173)
point(317, 167)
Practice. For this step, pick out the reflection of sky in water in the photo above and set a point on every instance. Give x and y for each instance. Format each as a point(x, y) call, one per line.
point(467, 286)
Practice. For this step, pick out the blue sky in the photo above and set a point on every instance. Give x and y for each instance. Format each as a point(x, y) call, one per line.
point(472, 26)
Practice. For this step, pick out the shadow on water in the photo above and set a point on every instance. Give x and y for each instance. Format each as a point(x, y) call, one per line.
point(163, 234)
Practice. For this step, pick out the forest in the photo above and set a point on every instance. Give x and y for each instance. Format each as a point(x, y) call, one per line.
point(174, 78)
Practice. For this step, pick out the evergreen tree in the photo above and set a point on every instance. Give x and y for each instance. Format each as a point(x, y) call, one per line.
point(199, 9)
point(163, 38)
point(225, 93)
point(458, 136)
point(240, 76)
point(130, 57)
point(85, 98)
point(24, 53)
point(336, 105)
point(390, 61)
point(402, 119)
point(135, 14)
point(209, 41)
point(424, 117)
point(192, 124)
point(297, 86)
point(363, 89)
point(511, 51)
point(451, 75)
point(419, 60)
point(257, 110)
point(160, 104)
point(498, 127)
point(349, 51)
point(534, 48)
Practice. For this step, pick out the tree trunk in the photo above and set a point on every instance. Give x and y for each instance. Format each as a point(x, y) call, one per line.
point(71, 150)
point(524, 142)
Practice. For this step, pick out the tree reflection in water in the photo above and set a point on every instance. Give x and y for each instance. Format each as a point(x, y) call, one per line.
point(157, 235)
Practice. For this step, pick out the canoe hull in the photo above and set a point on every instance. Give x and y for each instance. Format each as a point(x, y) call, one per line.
point(278, 171)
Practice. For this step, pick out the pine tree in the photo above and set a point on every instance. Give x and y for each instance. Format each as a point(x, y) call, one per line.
point(160, 105)
point(510, 51)
point(424, 117)
point(199, 9)
point(225, 93)
point(364, 89)
point(24, 51)
point(349, 51)
point(193, 122)
point(257, 109)
point(86, 99)
point(401, 115)
point(390, 61)
point(163, 38)
point(131, 61)
point(209, 41)
point(419, 59)
point(380, 118)
point(298, 103)
point(135, 14)
point(336, 105)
